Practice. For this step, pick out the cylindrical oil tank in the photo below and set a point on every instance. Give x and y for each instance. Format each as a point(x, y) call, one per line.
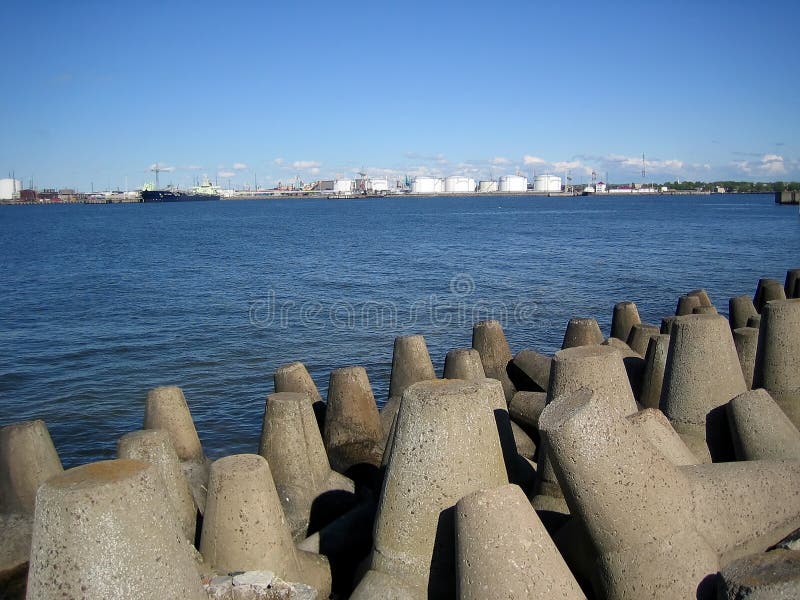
point(343, 186)
point(547, 183)
point(424, 185)
point(487, 186)
point(379, 184)
point(513, 183)
point(9, 188)
point(459, 184)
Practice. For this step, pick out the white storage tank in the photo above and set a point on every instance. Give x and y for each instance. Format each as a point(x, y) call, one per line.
point(425, 185)
point(487, 186)
point(513, 183)
point(380, 184)
point(342, 186)
point(9, 188)
point(459, 184)
point(547, 183)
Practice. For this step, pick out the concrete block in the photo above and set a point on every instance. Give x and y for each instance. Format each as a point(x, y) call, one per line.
point(490, 342)
point(445, 446)
point(106, 530)
point(768, 290)
point(153, 446)
point(686, 304)
point(294, 377)
point(582, 332)
point(463, 363)
point(701, 295)
point(666, 324)
point(768, 576)
point(655, 363)
point(704, 310)
point(640, 336)
point(702, 375)
point(504, 551)
point(292, 444)
point(625, 316)
point(653, 426)
point(353, 433)
point(166, 409)
point(245, 529)
point(28, 458)
point(740, 309)
point(760, 429)
point(754, 321)
point(530, 371)
point(525, 408)
point(777, 366)
point(746, 341)
point(792, 277)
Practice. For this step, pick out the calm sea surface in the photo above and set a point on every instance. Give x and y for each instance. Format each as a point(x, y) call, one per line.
point(100, 303)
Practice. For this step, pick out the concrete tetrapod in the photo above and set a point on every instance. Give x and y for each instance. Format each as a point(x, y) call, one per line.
point(640, 336)
point(667, 323)
point(599, 368)
point(244, 528)
point(625, 316)
point(746, 341)
point(294, 377)
point(686, 304)
point(525, 408)
point(740, 309)
point(411, 363)
point(767, 290)
point(27, 459)
point(582, 332)
point(754, 321)
point(633, 515)
point(701, 376)
point(530, 371)
point(490, 342)
point(704, 310)
point(107, 530)
point(166, 409)
point(655, 363)
point(701, 295)
point(777, 367)
point(353, 432)
point(504, 551)
point(445, 446)
point(463, 363)
point(153, 446)
point(760, 429)
point(652, 425)
point(792, 277)
point(311, 493)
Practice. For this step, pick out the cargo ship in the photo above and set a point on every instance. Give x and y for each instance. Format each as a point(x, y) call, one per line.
point(203, 192)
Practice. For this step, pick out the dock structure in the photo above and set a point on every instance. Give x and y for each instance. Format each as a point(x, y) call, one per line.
point(787, 197)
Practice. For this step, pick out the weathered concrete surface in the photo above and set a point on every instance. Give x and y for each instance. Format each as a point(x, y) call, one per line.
point(525, 408)
point(433, 463)
point(667, 323)
point(769, 576)
point(702, 375)
point(746, 341)
point(655, 364)
point(490, 342)
point(640, 336)
point(353, 433)
point(166, 409)
point(294, 377)
point(525, 444)
point(754, 321)
point(792, 277)
point(686, 304)
point(292, 444)
point(530, 371)
point(27, 459)
point(760, 429)
point(582, 331)
point(704, 310)
point(652, 425)
point(257, 585)
point(504, 551)
point(634, 515)
point(701, 295)
point(625, 316)
point(777, 366)
point(154, 447)
point(245, 529)
point(740, 309)
point(15, 549)
point(767, 290)
point(463, 363)
point(106, 530)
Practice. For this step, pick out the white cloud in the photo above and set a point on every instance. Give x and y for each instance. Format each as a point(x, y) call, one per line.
point(278, 161)
point(772, 164)
point(193, 167)
point(305, 164)
point(161, 167)
point(314, 170)
point(533, 160)
point(226, 174)
point(499, 160)
point(239, 166)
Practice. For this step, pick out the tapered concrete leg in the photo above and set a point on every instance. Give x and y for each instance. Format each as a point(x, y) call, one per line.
point(463, 363)
point(166, 409)
point(646, 549)
point(686, 304)
point(353, 431)
point(640, 336)
point(625, 316)
point(767, 290)
point(667, 323)
point(292, 444)
point(154, 447)
point(530, 371)
point(490, 342)
point(777, 367)
point(433, 463)
point(754, 321)
point(525, 408)
point(746, 341)
point(704, 310)
point(702, 375)
point(27, 459)
point(760, 429)
point(767, 575)
point(582, 332)
point(740, 309)
point(294, 377)
point(106, 530)
point(792, 277)
point(655, 363)
point(245, 529)
point(701, 295)
point(504, 551)
point(652, 425)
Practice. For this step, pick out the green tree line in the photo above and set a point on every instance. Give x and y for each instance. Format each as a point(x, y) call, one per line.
point(735, 186)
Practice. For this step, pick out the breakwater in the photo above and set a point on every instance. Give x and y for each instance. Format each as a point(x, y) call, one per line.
point(662, 462)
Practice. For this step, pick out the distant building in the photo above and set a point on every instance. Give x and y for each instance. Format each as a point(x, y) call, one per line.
point(10, 188)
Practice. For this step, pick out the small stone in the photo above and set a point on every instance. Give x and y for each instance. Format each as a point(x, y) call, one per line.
point(772, 575)
point(254, 578)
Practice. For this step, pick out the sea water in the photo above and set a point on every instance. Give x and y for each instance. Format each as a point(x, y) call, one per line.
point(99, 303)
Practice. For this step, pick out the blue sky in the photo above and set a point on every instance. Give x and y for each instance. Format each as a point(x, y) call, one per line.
point(97, 92)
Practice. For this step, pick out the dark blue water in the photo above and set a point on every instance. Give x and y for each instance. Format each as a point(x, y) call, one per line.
point(100, 303)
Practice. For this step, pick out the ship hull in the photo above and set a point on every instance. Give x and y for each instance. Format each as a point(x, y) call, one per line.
point(175, 196)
